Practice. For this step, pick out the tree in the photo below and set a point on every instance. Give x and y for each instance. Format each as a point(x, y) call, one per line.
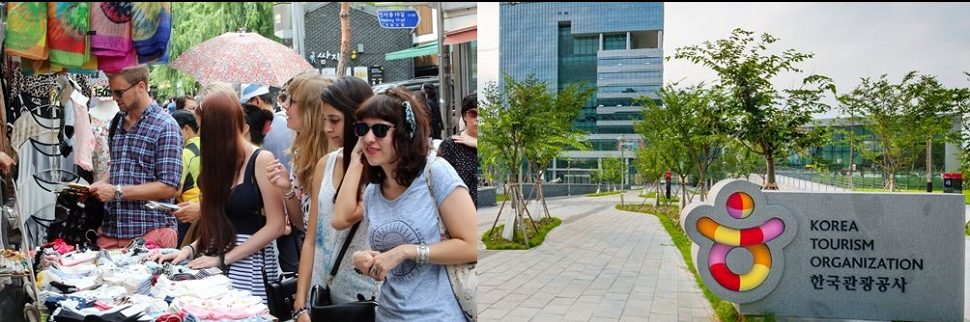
point(510, 116)
point(904, 116)
point(650, 165)
point(757, 114)
point(557, 114)
point(690, 117)
point(195, 22)
point(611, 172)
point(344, 59)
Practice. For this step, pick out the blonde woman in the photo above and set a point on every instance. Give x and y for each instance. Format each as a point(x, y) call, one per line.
point(304, 115)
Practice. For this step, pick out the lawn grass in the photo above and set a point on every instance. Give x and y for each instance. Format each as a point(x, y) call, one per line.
point(966, 194)
point(495, 241)
point(654, 194)
point(669, 218)
point(606, 193)
point(501, 197)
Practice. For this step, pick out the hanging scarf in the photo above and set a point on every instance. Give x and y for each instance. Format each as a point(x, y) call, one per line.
point(111, 26)
point(26, 30)
point(67, 27)
point(151, 28)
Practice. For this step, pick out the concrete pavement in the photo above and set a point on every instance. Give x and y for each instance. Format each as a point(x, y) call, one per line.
point(601, 264)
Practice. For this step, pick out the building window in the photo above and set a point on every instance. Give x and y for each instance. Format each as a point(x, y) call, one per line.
point(614, 42)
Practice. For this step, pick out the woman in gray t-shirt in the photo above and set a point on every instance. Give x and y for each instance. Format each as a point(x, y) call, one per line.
point(407, 251)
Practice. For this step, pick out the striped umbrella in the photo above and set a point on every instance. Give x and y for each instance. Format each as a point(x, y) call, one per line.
point(241, 57)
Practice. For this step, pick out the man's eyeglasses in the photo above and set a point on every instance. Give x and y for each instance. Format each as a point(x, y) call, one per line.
point(117, 92)
point(380, 130)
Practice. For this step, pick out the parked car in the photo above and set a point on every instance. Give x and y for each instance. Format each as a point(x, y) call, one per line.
point(411, 84)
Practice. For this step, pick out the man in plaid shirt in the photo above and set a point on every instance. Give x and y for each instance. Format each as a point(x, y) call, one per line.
point(146, 164)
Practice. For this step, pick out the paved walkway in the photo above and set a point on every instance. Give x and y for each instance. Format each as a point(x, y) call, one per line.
point(601, 264)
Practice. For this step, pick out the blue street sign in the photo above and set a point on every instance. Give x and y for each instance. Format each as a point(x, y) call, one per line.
point(398, 19)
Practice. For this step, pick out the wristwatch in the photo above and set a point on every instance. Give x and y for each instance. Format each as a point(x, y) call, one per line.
point(118, 196)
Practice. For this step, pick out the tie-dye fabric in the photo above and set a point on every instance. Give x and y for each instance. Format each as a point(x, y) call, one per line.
point(26, 30)
point(151, 28)
point(111, 26)
point(67, 27)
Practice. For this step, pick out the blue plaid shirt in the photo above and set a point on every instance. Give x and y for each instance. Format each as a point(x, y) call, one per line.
point(150, 152)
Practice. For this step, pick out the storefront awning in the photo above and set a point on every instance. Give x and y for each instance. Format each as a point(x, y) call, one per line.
point(423, 50)
point(461, 36)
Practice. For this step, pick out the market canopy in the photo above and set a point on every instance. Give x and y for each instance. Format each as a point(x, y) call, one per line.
point(423, 50)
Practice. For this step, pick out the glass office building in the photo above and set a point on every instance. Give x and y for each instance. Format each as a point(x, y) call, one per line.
point(616, 47)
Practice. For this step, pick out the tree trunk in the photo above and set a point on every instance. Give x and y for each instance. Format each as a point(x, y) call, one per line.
point(542, 196)
point(344, 59)
point(683, 191)
point(500, 208)
point(656, 199)
point(703, 182)
point(929, 165)
point(851, 163)
point(769, 183)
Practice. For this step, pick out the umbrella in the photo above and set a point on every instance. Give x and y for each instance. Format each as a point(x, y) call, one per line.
point(241, 57)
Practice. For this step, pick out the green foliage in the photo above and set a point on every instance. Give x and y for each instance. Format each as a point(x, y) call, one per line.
point(670, 219)
point(501, 197)
point(654, 195)
point(196, 22)
point(494, 240)
point(684, 132)
point(757, 114)
point(903, 116)
point(611, 172)
point(607, 193)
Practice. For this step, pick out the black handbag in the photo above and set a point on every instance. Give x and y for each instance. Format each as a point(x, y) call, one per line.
point(280, 294)
point(321, 304)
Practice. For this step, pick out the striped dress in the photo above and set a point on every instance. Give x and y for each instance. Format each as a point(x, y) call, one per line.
point(247, 273)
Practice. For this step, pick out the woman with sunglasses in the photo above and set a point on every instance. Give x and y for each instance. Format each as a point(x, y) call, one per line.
point(241, 212)
point(305, 117)
point(408, 251)
point(323, 241)
point(461, 150)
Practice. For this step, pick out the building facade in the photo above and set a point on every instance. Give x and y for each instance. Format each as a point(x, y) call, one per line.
point(616, 47)
point(369, 41)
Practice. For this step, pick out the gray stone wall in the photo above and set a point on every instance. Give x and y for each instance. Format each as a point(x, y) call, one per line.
point(323, 34)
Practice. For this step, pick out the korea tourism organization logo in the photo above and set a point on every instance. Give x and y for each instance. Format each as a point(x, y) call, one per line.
point(741, 240)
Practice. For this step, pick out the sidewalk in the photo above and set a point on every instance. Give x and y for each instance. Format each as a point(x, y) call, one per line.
point(601, 264)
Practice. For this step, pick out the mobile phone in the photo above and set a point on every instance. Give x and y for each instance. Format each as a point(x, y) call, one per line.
point(77, 187)
point(161, 206)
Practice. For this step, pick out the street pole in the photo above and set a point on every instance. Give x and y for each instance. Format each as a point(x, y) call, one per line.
point(444, 74)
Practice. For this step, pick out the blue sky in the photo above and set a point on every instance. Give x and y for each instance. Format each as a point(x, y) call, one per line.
point(849, 40)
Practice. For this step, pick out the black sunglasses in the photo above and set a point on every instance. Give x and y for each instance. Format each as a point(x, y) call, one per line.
point(119, 92)
point(380, 130)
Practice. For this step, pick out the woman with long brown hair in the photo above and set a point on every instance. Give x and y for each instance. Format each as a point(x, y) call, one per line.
point(241, 212)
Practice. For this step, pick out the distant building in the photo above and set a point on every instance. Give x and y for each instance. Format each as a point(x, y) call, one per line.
point(369, 42)
point(615, 46)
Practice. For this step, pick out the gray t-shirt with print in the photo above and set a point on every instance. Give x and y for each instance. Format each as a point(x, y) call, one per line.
point(412, 292)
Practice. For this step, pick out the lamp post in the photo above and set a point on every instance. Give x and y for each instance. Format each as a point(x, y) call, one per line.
point(619, 145)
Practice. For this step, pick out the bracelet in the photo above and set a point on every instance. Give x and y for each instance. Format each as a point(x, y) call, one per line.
point(191, 248)
point(423, 254)
point(298, 313)
point(289, 195)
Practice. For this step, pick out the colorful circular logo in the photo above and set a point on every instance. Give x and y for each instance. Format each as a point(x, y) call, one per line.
point(739, 218)
point(740, 205)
